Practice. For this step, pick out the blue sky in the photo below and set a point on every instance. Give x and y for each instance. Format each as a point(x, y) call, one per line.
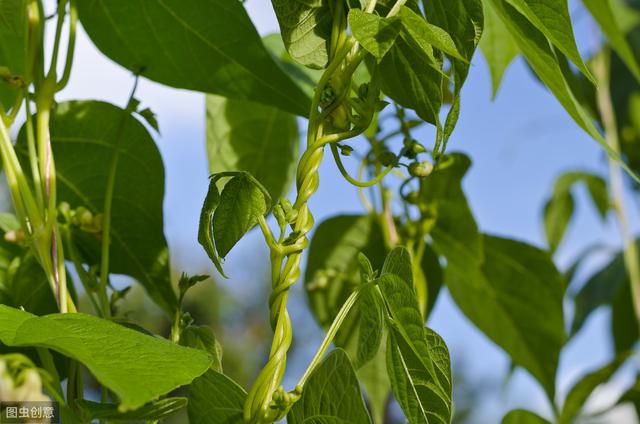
point(518, 143)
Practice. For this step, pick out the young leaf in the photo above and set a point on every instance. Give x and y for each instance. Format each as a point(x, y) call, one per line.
point(603, 14)
point(13, 50)
point(417, 359)
point(370, 306)
point(342, 403)
point(398, 262)
point(497, 45)
point(214, 398)
point(581, 391)
point(522, 288)
point(306, 30)
point(521, 416)
point(543, 60)
point(153, 411)
point(251, 137)
point(111, 352)
point(463, 20)
point(377, 34)
point(86, 136)
point(205, 227)
point(425, 34)
point(202, 338)
point(242, 202)
point(204, 46)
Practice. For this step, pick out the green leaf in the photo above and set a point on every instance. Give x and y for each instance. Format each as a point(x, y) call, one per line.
point(111, 352)
point(409, 78)
point(242, 202)
point(201, 337)
point(86, 136)
point(205, 226)
point(543, 60)
point(375, 381)
point(29, 288)
point(375, 33)
point(559, 208)
point(209, 46)
point(463, 20)
point(432, 271)
point(332, 268)
point(417, 358)
point(214, 398)
point(522, 288)
point(108, 411)
point(624, 324)
point(581, 391)
point(551, 18)
point(342, 403)
point(398, 262)
point(521, 416)
point(13, 50)
point(306, 30)
point(455, 234)
point(602, 288)
point(602, 12)
point(497, 45)
point(370, 306)
point(424, 34)
point(248, 136)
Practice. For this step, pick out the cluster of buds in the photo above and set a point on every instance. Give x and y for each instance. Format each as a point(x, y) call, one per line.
point(82, 217)
point(19, 381)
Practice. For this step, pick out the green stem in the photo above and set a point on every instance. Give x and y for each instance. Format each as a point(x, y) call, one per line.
point(73, 21)
point(607, 112)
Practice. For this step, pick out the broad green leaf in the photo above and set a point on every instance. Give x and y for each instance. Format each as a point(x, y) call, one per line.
point(431, 269)
point(242, 202)
point(559, 208)
point(497, 45)
point(202, 338)
point(455, 233)
point(375, 33)
point(108, 411)
point(202, 45)
point(543, 60)
point(417, 359)
point(13, 49)
point(332, 268)
point(29, 288)
point(602, 12)
point(463, 20)
point(581, 391)
point(248, 136)
point(214, 398)
point(602, 288)
point(551, 18)
point(521, 416)
point(409, 78)
point(306, 30)
point(111, 352)
point(522, 288)
point(331, 395)
point(86, 136)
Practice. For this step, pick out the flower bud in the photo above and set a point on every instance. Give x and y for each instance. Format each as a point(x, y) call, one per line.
point(387, 158)
point(420, 169)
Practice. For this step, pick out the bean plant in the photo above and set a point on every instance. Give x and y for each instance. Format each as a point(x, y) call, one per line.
point(358, 78)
